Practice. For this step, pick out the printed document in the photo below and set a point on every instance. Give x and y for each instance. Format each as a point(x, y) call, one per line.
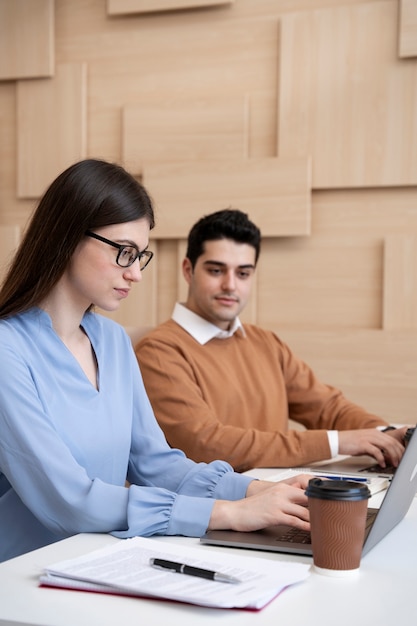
point(124, 568)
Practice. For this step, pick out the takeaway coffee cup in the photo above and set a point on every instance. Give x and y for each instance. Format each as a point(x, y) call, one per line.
point(337, 517)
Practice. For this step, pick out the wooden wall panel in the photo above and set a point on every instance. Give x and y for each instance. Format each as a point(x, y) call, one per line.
point(341, 89)
point(324, 81)
point(320, 283)
point(361, 213)
point(151, 61)
point(9, 240)
point(12, 210)
point(123, 7)
point(263, 124)
point(408, 28)
point(184, 130)
point(170, 281)
point(276, 193)
point(182, 289)
point(376, 369)
point(51, 127)
point(400, 283)
point(26, 39)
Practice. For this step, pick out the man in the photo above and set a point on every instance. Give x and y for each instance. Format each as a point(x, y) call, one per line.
point(223, 389)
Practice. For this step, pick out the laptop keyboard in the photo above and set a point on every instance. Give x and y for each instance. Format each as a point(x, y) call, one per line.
point(295, 535)
point(370, 517)
point(377, 469)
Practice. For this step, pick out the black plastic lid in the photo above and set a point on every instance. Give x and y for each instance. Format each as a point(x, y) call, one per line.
point(337, 490)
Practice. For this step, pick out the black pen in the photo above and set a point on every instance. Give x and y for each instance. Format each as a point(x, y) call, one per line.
point(181, 568)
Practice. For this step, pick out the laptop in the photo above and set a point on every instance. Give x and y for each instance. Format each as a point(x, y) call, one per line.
point(361, 464)
point(286, 539)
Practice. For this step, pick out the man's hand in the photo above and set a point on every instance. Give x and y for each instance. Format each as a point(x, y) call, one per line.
point(384, 447)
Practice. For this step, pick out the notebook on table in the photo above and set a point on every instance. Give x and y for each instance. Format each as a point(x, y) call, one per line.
point(395, 504)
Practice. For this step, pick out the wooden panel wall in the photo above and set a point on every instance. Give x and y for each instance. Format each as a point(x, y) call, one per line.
point(125, 7)
point(27, 39)
point(341, 90)
point(408, 28)
point(171, 130)
point(9, 239)
point(302, 113)
point(277, 192)
point(51, 127)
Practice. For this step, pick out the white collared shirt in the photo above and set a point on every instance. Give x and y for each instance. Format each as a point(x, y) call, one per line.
point(200, 329)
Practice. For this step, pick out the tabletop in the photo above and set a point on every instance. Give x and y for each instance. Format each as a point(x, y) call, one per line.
point(383, 591)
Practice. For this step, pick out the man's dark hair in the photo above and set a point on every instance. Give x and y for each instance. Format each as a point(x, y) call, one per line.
point(225, 224)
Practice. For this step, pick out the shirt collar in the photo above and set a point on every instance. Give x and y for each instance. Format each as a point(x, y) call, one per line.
point(199, 328)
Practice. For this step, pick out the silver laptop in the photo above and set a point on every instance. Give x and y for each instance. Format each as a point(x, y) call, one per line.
point(361, 464)
point(358, 464)
point(380, 522)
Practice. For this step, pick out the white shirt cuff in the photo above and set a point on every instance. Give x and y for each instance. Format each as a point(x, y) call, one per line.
point(333, 436)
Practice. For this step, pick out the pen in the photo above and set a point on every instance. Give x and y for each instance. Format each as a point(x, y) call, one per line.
point(358, 479)
point(181, 568)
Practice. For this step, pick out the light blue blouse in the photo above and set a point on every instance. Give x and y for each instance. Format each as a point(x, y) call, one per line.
point(66, 449)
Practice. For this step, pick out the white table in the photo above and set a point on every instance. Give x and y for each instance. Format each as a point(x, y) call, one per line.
point(384, 592)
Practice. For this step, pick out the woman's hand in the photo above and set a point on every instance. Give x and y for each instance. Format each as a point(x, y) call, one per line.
point(266, 504)
point(300, 481)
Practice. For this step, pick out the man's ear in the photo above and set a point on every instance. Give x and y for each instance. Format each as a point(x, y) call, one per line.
point(187, 269)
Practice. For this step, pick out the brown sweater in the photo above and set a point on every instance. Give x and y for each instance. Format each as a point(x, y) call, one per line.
point(231, 399)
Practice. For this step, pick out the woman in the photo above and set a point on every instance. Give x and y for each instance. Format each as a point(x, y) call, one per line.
point(75, 420)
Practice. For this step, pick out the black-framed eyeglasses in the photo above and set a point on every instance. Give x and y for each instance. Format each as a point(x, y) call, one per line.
point(127, 254)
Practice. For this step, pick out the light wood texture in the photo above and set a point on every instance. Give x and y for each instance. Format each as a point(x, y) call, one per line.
point(184, 130)
point(12, 209)
point(346, 99)
point(275, 192)
point(318, 79)
point(374, 368)
point(372, 213)
point(26, 39)
point(408, 28)
point(168, 57)
point(137, 332)
point(320, 283)
point(123, 7)
point(9, 240)
point(400, 283)
point(182, 288)
point(262, 124)
point(51, 124)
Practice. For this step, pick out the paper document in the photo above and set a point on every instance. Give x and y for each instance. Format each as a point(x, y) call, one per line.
point(124, 568)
